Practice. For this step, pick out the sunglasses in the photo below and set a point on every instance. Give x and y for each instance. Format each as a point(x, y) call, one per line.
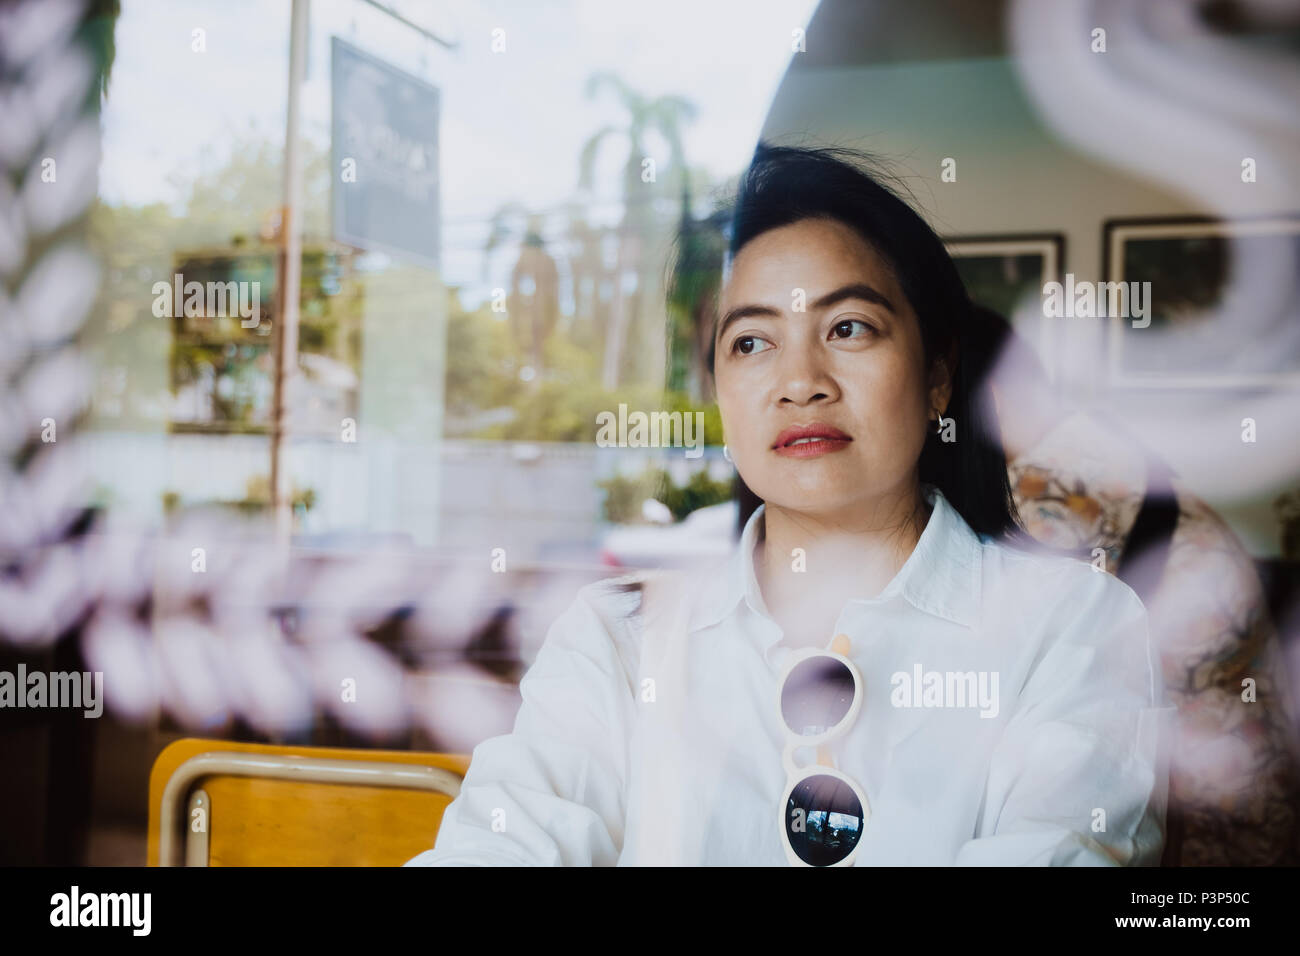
point(823, 812)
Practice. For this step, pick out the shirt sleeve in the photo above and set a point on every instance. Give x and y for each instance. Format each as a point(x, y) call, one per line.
point(551, 792)
point(1080, 775)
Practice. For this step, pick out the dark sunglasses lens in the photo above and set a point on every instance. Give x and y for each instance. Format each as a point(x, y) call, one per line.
point(823, 820)
point(816, 696)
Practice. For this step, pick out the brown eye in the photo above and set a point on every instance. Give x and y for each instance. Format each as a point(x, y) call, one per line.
point(747, 345)
point(844, 330)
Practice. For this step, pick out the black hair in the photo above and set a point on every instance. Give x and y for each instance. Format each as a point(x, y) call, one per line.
point(787, 184)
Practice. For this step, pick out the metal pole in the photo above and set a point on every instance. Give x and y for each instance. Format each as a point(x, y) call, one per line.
point(290, 269)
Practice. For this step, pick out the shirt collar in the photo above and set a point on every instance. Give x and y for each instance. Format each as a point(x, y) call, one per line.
point(942, 576)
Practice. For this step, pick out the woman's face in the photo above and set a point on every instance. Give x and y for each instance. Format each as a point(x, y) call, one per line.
point(816, 340)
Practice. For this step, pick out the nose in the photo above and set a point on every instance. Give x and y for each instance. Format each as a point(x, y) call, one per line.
point(803, 377)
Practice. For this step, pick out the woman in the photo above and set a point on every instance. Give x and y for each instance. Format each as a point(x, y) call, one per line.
point(877, 676)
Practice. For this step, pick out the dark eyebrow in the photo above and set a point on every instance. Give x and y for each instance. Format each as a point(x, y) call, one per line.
point(854, 290)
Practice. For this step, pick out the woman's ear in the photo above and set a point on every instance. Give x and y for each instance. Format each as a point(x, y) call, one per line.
point(941, 380)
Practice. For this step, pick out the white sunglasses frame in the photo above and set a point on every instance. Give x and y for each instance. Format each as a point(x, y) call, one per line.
point(796, 775)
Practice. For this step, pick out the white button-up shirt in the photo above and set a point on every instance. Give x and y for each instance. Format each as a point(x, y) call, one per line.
point(655, 737)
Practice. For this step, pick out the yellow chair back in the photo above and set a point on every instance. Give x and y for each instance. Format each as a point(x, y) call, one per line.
point(214, 803)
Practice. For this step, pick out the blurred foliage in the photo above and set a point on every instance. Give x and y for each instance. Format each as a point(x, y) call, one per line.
point(700, 491)
point(566, 412)
point(484, 365)
point(640, 116)
point(257, 497)
point(97, 34)
point(225, 223)
point(257, 494)
point(625, 494)
point(238, 361)
point(696, 279)
point(491, 390)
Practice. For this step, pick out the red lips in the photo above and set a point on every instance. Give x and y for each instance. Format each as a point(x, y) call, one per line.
point(824, 438)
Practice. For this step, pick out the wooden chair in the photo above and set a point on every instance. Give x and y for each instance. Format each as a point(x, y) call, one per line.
point(214, 803)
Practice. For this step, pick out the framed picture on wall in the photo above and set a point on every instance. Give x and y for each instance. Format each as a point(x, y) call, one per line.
point(1006, 273)
point(1212, 302)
